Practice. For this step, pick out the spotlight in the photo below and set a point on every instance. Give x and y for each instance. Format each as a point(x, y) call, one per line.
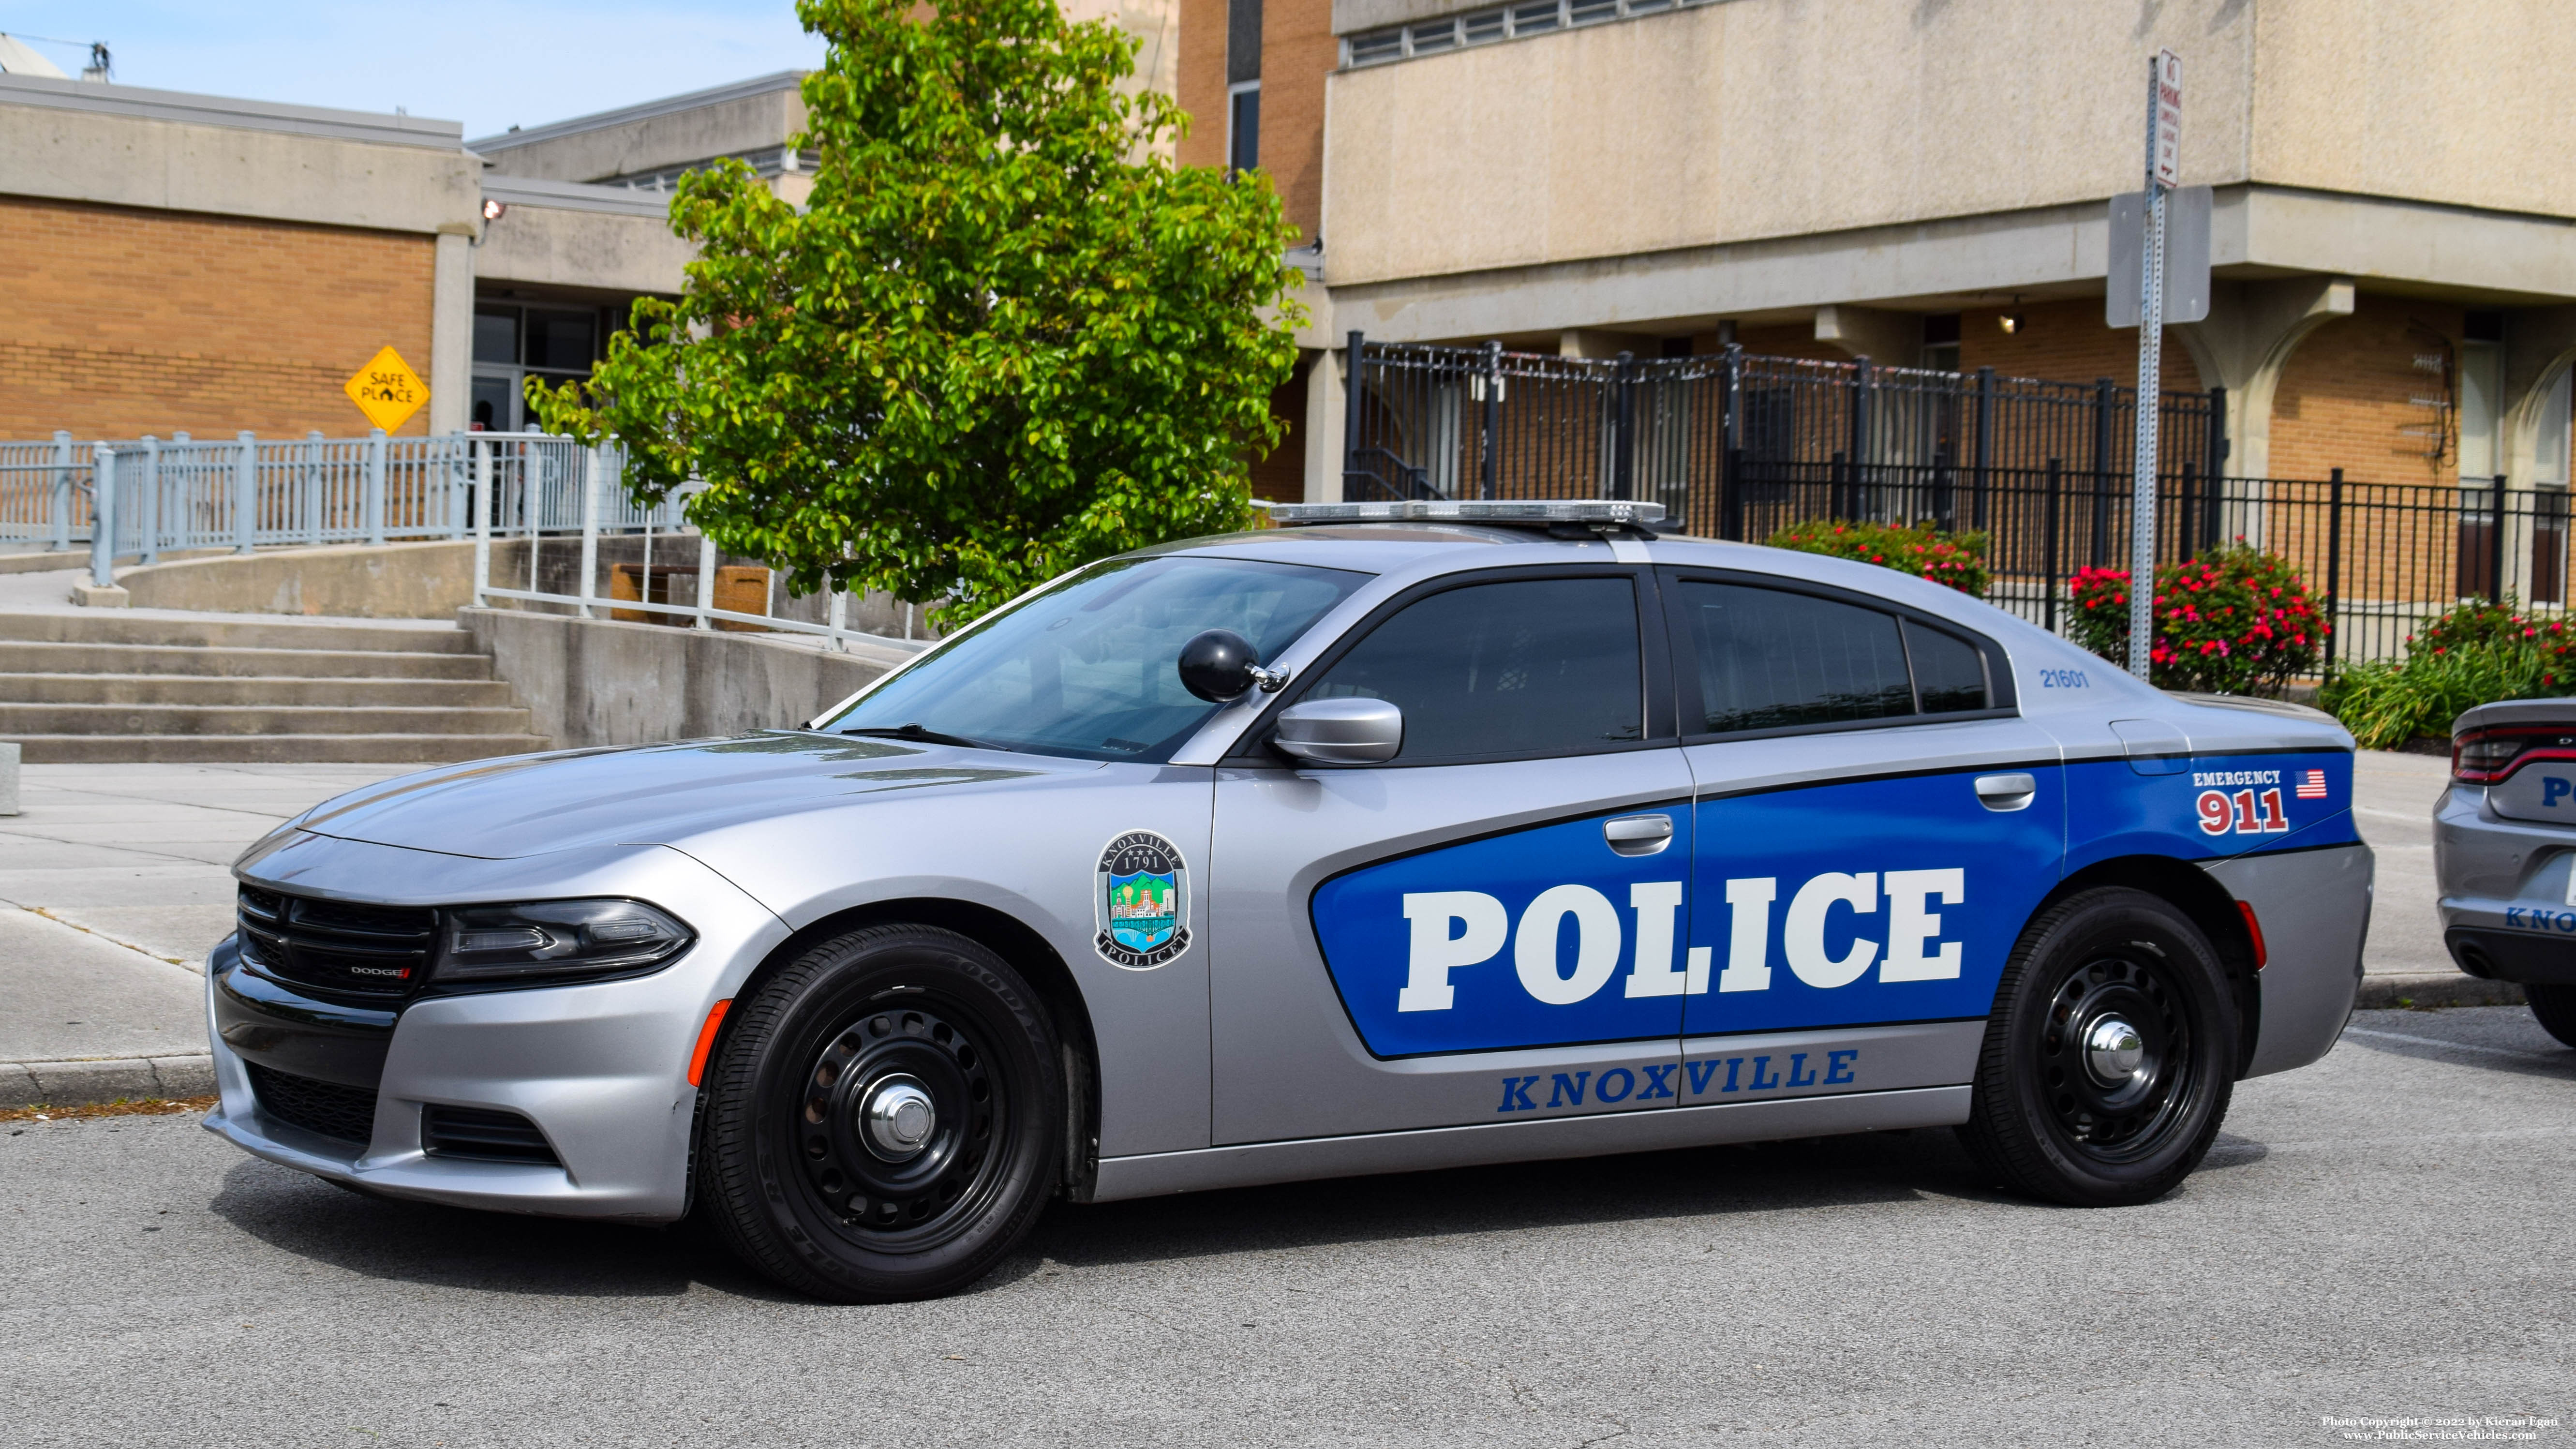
point(494, 211)
point(2010, 322)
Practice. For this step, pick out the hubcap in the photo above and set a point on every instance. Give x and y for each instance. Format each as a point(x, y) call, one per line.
point(897, 1123)
point(899, 1117)
point(2112, 1051)
point(2116, 1057)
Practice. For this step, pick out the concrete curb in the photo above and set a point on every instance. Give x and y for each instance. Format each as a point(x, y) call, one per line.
point(2434, 988)
point(77, 1083)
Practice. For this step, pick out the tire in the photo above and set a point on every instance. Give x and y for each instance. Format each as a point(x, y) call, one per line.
point(2055, 1120)
point(923, 1195)
point(2555, 1007)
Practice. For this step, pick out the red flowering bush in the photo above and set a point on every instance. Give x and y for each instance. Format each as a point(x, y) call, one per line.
point(2235, 620)
point(1955, 559)
point(2480, 626)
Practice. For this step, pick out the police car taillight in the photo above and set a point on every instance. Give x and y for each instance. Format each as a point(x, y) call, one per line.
point(2484, 757)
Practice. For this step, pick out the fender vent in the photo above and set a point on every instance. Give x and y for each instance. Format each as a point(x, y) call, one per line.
point(477, 1132)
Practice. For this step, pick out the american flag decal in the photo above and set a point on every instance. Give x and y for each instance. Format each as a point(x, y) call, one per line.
point(2314, 786)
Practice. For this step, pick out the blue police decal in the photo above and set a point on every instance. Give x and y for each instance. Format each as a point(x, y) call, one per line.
point(2222, 805)
point(1874, 901)
point(1869, 902)
point(1541, 937)
point(1141, 902)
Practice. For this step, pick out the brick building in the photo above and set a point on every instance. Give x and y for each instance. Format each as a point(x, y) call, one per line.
point(2394, 270)
point(182, 263)
point(174, 262)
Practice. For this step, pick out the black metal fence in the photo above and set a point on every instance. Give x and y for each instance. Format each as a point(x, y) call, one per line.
point(1738, 446)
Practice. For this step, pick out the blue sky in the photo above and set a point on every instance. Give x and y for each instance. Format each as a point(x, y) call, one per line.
point(487, 63)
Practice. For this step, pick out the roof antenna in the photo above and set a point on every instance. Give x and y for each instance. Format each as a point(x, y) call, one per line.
point(99, 68)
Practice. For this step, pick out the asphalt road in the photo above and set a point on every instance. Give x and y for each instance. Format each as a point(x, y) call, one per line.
point(2385, 1233)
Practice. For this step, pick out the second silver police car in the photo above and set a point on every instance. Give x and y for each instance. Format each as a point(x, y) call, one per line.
point(1412, 836)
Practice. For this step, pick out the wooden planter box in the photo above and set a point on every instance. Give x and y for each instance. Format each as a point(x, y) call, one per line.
point(740, 589)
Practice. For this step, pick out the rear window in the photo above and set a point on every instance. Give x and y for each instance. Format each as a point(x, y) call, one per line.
point(1774, 659)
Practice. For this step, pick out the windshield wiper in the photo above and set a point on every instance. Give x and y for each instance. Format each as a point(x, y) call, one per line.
point(915, 732)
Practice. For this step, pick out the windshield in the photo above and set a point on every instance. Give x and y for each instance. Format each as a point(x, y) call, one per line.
point(1088, 668)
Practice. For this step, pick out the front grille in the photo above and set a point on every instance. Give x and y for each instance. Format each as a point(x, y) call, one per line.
point(476, 1132)
point(348, 1113)
point(372, 952)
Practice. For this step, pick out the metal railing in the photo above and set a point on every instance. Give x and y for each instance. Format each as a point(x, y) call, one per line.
point(242, 493)
point(1713, 436)
point(1738, 447)
point(245, 493)
point(576, 493)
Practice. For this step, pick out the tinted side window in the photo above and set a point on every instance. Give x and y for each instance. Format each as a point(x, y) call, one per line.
point(1529, 667)
point(1768, 658)
point(1949, 674)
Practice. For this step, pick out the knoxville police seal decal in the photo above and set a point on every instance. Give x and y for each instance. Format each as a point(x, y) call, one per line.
point(1140, 899)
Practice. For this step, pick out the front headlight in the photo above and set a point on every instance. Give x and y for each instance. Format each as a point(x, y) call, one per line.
point(545, 942)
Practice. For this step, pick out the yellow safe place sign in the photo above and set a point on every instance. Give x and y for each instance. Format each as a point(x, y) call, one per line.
point(387, 390)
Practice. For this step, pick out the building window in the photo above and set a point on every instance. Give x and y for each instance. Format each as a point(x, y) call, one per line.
point(1941, 342)
point(1509, 22)
point(514, 343)
point(1243, 126)
point(1242, 84)
point(2481, 405)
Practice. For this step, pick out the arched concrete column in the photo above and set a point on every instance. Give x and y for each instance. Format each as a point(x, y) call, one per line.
point(2540, 345)
point(2251, 331)
point(1326, 397)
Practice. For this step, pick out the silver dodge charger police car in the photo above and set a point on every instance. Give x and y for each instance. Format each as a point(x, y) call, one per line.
point(1406, 836)
point(2504, 850)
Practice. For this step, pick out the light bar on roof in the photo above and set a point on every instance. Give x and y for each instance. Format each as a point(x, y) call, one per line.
point(1444, 510)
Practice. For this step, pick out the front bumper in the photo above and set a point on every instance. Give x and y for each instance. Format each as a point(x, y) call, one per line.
point(600, 1069)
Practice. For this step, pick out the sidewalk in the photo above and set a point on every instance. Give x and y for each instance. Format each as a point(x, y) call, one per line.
point(113, 885)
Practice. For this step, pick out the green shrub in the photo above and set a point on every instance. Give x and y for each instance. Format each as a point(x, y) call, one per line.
point(1955, 559)
point(2473, 654)
point(2385, 703)
point(2235, 620)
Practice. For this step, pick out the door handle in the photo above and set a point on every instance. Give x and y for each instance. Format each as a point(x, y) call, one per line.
point(1638, 834)
point(2006, 792)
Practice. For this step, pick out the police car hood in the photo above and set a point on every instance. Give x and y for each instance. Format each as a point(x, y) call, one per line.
point(658, 794)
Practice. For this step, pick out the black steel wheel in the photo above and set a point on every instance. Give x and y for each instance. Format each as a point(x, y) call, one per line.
point(2554, 1007)
point(885, 1117)
point(2110, 1057)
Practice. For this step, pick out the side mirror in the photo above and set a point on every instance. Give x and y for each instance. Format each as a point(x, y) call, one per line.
point(1221, 666)
point(1340, 731)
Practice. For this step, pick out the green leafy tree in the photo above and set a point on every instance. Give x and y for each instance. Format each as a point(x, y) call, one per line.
point(1004, 338)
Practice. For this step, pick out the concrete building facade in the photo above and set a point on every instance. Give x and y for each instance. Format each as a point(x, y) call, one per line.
point(2393, 236)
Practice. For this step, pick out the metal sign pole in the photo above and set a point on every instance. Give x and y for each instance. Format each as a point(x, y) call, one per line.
point(2164, 114)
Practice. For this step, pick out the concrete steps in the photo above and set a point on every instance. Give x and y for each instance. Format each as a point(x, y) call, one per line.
point(165, 627)
point(79, 687)
point(271, 749)
point(201, 690)
point(27, 656)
